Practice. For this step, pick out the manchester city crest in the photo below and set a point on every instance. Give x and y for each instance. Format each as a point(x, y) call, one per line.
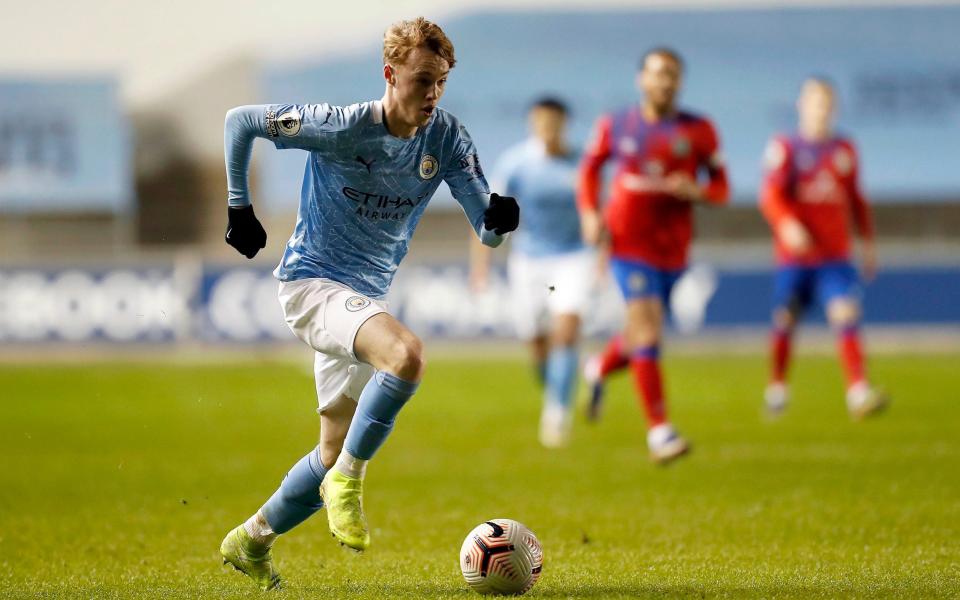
point(428, 167)
point(355, 303)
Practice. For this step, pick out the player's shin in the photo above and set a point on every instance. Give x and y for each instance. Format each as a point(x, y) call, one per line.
point(294, 502)
point(377, 410)
point(645, 363)
point(851, 355)
point(556, 420)
point(780, 342)
point(342, 490)
point(614, 357)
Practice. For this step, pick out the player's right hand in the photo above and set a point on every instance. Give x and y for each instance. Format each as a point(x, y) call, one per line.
point(795, 236)
point(244, 231)
point(591, 227)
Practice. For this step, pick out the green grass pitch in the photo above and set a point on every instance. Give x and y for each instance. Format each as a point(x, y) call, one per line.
point(119, 481)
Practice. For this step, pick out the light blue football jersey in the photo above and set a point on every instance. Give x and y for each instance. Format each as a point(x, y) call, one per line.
point(364, 190)
point(545, 187)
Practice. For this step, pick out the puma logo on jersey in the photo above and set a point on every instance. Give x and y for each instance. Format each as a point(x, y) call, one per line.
point(365, 163)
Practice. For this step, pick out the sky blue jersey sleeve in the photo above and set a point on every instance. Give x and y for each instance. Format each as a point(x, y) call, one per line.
point(306, 127)
point(469, 187)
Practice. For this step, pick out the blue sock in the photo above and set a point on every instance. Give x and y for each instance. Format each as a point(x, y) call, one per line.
point(377, 409)
point(562, 375)
point(298, 496)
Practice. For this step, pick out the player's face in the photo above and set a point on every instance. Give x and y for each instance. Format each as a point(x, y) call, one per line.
point(418, 85)
point(817, 107)
point(548, 125)
point(659, 81)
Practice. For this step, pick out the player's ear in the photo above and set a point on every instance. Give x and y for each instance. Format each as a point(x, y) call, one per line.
point(389, 75)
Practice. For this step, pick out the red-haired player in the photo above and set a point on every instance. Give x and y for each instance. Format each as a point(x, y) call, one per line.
point(659, 153)
point(810, 195)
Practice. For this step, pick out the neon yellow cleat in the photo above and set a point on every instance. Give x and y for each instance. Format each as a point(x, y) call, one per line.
point(343, 496)
point(239, 550)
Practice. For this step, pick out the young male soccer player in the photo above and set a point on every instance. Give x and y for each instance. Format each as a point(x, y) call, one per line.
point(810, 193)
point(659, 152)
point(371, 170)
point(549, 267)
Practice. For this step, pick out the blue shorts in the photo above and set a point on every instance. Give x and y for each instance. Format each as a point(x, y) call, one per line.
point(637, 279)
point(798, 286)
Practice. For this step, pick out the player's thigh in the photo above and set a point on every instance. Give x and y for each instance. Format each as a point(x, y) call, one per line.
point(387, 344)
point(572, 274)
point(528, 297)
point(792, 294)
point(838, 291)
point(644, 321)
point(666, 281)
point(337, 377)
point(326, 315)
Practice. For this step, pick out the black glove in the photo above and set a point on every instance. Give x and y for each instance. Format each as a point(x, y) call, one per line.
point(244, 231)
point(503, 214)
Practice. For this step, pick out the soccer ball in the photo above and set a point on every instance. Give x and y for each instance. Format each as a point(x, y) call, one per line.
point(501, 556)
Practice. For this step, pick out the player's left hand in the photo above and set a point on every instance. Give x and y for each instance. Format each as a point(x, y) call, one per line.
point(682, 186)
point(503, 214)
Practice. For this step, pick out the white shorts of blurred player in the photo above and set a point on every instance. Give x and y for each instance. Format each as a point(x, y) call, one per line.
point(546, 286)
point(327, 315)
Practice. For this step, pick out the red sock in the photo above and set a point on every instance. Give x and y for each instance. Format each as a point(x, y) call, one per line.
point(645, 364)
point(851, 355)
point(613, 357)
point(780, 354)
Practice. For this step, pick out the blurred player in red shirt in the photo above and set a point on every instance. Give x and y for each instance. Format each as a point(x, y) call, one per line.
point(810, 195)
point(660, 154)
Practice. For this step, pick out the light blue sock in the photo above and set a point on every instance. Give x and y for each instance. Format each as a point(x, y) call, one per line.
point(298, 496)
point(562, 375)
point(377, 409)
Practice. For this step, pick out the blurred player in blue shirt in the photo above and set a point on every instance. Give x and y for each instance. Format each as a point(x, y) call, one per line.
point(371, 170)
point(549, 268)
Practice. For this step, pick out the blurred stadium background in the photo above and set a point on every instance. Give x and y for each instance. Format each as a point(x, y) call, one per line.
point(111, 165)
point(151, 396)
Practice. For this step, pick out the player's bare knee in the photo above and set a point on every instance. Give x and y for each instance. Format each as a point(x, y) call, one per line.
point(566, 331)
point(784, 318)
point(564, 337)
point(406, 358)
point(643, 336)
point(843, 313)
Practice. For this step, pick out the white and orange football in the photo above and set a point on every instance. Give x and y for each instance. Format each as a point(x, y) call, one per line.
point(501, 556)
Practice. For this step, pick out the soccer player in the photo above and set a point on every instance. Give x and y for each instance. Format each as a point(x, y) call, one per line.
point(810, 194)
point(371, 170)
point(549, 267)
point(666, 161)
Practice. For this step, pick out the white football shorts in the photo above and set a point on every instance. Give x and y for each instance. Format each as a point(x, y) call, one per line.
point(545, 286)
point(326, 315)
